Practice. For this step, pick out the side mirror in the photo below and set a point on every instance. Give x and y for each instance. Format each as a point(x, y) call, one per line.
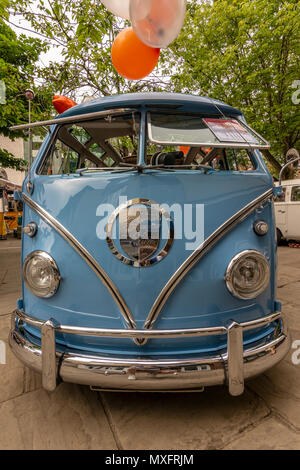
point(292, 157)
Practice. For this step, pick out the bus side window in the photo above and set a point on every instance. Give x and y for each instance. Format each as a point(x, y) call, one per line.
point(62, 160)
point(239, 160)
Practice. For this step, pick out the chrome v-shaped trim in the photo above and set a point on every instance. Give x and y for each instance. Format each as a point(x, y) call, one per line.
point(190, 262)
point(177, 277)
point(88, 258)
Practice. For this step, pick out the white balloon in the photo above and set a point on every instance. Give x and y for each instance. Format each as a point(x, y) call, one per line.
point(157, 22)
point(118, 7)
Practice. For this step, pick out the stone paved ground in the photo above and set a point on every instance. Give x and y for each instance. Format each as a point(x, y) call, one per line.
point(267, 416)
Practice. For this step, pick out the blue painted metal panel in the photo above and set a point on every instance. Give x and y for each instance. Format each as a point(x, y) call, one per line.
point(201, 299)
point(164, 101)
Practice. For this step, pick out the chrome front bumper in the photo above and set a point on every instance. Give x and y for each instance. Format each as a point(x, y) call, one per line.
point(149, 374)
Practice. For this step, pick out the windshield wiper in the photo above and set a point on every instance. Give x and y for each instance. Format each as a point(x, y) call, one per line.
point(115, 169)
point(127, 167)
point(184, 167)
point(123, 168)
point(204, 168)
point(141, 168)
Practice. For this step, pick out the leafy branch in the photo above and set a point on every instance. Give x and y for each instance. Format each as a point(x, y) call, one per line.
point(7, 160)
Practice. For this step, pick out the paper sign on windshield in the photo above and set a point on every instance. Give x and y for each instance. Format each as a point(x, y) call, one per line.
point(229, 130)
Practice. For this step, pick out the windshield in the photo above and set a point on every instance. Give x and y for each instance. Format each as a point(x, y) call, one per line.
point(103, 143)
point(172, 142)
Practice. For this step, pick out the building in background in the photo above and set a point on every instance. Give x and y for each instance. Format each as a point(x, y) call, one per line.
point(20, 149)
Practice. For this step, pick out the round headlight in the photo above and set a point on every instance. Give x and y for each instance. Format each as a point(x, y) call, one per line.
point(41, 274)
point(248, 274)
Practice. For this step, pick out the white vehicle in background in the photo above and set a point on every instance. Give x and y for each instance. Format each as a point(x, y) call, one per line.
point(287, 211)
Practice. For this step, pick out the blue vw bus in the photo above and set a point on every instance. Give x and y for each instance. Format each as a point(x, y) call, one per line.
point(148, 248)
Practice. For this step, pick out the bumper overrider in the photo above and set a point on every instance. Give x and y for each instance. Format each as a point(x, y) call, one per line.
point(144, 373)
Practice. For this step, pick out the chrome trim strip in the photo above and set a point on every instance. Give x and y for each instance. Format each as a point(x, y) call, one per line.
point(242, 121)
point(185, 268)
point(249, 325)
point(76, 118)
point(235, 351)
point(117, 333)
point(87, 257)
point(144, 361)
point(155, 373)
point(49, 366)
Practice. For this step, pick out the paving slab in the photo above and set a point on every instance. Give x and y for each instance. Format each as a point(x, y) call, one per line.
point(10, 274)
point(292, 312)
point(190, 421)
point(287, 275)
point(12, 372)
point(15, 378)
point(290, 294)
point(69, 418)
point(8, 301)
point(279, 387)
point(288, 256)
point(268, 435)
point(267, 416)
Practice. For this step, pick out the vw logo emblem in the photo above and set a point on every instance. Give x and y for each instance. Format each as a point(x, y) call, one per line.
point(140, 222)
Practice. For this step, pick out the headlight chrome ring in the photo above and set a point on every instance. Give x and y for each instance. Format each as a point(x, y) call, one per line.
point(248, 274)
point(41, 274)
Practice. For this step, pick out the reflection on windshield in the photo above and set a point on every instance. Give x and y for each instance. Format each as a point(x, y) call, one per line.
point(183, 157)
point(194, 130)
point(168, 129)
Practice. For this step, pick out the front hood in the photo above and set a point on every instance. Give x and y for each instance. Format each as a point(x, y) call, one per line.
point(200, 300)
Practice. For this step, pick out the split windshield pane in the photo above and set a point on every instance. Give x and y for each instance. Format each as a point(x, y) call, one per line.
point(102, 143)
point(193, 130)
point(185, 141)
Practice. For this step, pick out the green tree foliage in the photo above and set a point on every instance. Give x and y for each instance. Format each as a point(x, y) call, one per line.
point(18, 57)
point(246, 53)
point(83, 32)
point(4, 4)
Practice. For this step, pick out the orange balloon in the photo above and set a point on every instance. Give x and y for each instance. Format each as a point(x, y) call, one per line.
point(62, 103)
point(131, 57)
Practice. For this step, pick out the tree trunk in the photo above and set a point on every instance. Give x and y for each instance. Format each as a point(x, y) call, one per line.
point(272, 160)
